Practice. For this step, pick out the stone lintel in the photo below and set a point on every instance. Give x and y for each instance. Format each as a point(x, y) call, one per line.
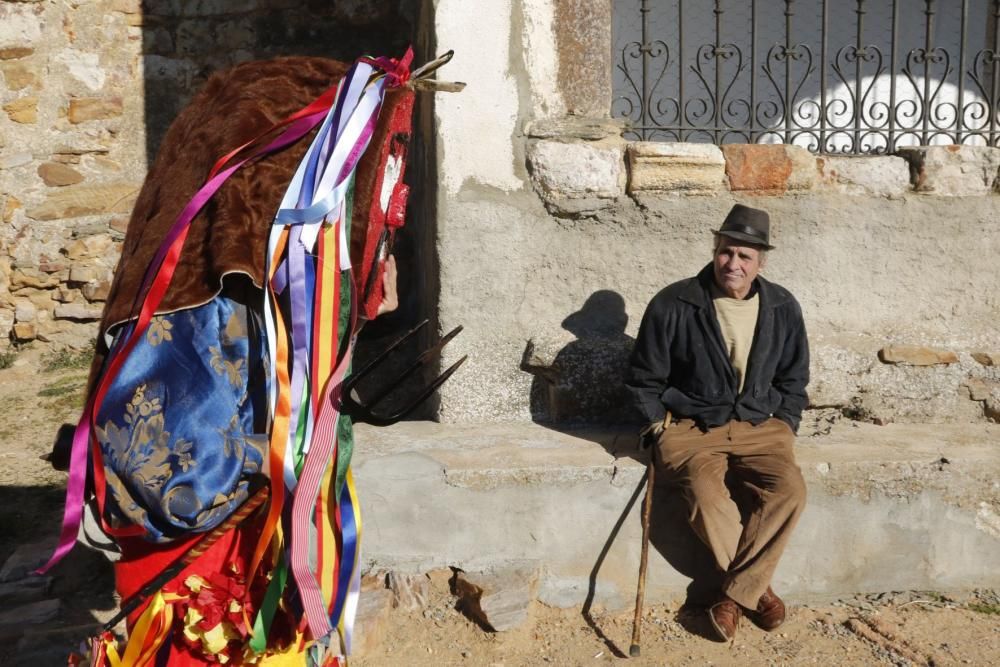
point(683, 167)
point(952, 171)
point(574, 127)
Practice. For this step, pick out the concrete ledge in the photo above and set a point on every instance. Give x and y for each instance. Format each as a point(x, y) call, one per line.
point(897, 507)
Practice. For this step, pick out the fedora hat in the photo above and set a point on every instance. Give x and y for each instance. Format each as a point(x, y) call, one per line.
point(746, 224)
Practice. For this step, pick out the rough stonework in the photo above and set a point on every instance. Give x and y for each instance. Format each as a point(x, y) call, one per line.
point(769, 169)
point(676, 167)
point(581, 171)
point(498, 598)
point(953, 171)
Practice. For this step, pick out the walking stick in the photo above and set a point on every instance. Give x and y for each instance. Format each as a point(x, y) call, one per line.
point(634, 650)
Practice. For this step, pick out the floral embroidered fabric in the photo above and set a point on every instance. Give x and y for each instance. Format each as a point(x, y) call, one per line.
point(182, 426)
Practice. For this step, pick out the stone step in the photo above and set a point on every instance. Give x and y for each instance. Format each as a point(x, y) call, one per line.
point(895, 507)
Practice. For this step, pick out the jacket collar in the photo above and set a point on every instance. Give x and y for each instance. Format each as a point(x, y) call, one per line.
point(698, 291)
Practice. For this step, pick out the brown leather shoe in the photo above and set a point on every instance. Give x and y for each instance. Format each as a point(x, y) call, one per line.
point(725, 618)
point(770, 612)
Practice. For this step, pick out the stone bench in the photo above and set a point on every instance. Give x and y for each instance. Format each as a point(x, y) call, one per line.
point(896, 507)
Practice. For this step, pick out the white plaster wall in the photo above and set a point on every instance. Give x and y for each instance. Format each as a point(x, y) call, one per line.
point(541, 58)
point(475, 127)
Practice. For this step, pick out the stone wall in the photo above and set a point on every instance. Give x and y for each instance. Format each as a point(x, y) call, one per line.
point(554, 233)
point(87, 89)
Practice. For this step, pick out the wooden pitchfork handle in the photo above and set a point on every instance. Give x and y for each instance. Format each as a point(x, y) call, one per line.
point(634, 650)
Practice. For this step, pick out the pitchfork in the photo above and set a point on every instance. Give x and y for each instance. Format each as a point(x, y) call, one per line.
point(365, 411)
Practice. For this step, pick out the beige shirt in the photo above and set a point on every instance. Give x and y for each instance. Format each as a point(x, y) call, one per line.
point(738, 321)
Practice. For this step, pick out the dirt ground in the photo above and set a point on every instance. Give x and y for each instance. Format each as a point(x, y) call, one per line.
point(39, 393)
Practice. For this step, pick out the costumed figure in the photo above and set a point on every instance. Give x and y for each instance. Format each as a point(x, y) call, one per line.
point(215, 445)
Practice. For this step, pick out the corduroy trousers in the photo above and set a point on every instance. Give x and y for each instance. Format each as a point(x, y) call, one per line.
point(759, 463)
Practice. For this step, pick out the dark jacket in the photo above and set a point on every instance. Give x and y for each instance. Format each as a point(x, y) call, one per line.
point(680, 362)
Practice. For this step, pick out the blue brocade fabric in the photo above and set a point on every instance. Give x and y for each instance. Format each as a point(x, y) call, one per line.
point(181, 428)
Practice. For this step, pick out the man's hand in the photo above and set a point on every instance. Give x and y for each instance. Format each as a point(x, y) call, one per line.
point(390, 299)
point(650, 434)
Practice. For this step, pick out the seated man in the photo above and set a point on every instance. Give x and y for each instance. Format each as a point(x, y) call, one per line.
point(725, 353)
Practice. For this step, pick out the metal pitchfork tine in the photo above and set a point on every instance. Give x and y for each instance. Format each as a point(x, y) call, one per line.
point(364, 411)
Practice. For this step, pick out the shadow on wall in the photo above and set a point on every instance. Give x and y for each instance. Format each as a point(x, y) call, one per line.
point(584, 381)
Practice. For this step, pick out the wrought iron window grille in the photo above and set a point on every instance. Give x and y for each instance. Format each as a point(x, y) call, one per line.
point(868, 79)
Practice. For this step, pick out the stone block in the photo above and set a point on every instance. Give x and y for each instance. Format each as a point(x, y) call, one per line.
point(497, 599)
point(769, 169)
point(953, 171)
point(119, 224)
point(409, 592)
point(42, 300)
point(13, 620)
point(65, 294)
point(24, 331)
point(881, 176)
point(374, 607)
point(583, 44)
point(987, 358)
point(25, 311)
point(12, 160)
point(126, 6)
point(82, 274)
point(979, 390)
point(574, 127)
point(80, 200)
point(13, 203)
point(991, 409)
point(25, 559)
point(15, 52)
point(676, 167)
point(563, 170)
point(55, 174)
point(916, 355)
point(18, 76)
point(23, 110)
point(83, 109)
point(77, 311)
point(48, 266)
point(96, 291)
point(94, 245)
point(27, 277)
point(66, 333)
point(6, 323)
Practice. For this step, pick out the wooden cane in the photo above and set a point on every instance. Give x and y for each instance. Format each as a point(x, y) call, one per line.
point(634, 650)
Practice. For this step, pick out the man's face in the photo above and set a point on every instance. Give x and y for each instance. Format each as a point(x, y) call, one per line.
point(736, 265)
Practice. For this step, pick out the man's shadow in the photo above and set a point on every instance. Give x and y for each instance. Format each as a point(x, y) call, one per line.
point(580, 389)
point(580, 386)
